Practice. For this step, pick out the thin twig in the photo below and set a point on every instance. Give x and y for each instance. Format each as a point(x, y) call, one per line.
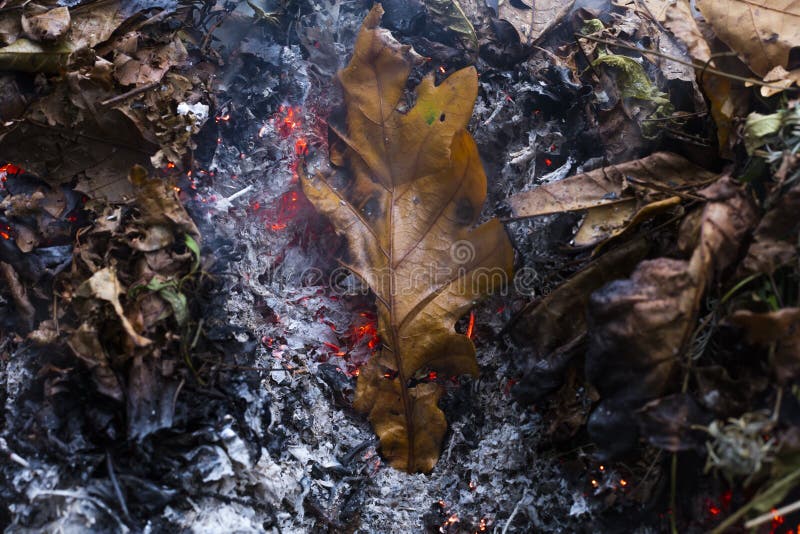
point(115, 484)
point(133, 92)
point(753, 523)
point(514, 512)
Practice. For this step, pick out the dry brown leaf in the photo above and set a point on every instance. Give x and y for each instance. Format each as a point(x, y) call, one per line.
point(150, 64)
point(159, 204)
point(85, 345)
point(94, 22)
point(762, 32)
point(613, 220)
point(610, 195)
point(46, 25)
point(532, 23)
point(104, 285)
point(676, 16)
point(415, 187)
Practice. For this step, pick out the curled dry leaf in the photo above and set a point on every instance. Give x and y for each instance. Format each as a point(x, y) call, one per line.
point(615, 196)
point(638, 327)
point(413, 187)
point(104, 285)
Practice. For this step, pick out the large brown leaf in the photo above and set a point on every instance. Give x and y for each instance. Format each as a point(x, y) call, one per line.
point(413, 187)
point(762, 32)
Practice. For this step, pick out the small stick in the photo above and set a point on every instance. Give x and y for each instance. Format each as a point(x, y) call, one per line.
point(514, 512)
point(753, 523)
point(14, 457)
point(129, 94)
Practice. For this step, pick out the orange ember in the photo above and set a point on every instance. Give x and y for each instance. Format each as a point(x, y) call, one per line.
point(289, 122)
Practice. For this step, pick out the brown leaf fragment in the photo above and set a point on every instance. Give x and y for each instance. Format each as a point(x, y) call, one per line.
point(150, 64)
point(28, 56)
point(159, 203)
point(18, 293)
point(532, 22)
point(46, 25)
point(762, 32)
point(413, 187)
point(94, 22)
point(781, 328)
point(86, 345)
point(677, 17)
point(104, 285)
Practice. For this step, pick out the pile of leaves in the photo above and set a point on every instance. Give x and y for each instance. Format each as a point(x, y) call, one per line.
point(105, 293)
point(678, 335)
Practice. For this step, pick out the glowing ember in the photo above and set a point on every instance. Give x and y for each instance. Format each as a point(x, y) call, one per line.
point(623, 482)
point(432, 376)
point(548, 161)
point(471, 327)
point(288, 120)
point(301, 147)
point(473, 485)
point(777, 520)
point(452, 520)
point(483, 525)
point(602, 468)
point(6, 170)
point(595, 483)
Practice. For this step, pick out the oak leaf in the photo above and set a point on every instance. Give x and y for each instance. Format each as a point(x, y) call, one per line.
point(409, 188)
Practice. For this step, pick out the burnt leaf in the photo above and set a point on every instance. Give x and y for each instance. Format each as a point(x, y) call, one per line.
point(639, 327)
point(416, 187)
